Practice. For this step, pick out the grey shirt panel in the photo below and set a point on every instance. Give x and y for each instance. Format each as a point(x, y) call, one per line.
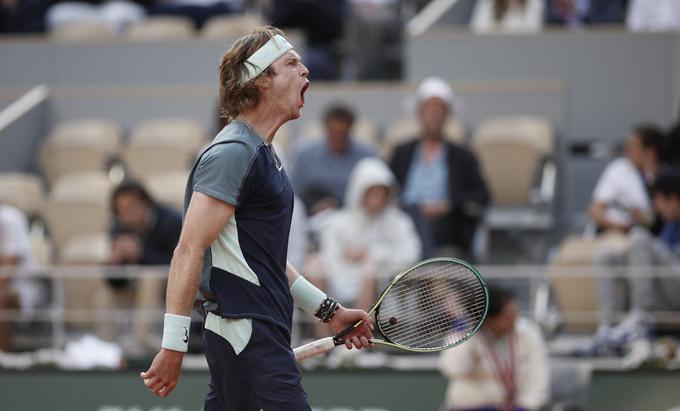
point(223, 168)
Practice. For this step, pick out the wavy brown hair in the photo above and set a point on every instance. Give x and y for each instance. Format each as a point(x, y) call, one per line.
point(234, 96)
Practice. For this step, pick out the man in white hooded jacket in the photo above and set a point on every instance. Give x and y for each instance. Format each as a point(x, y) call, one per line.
point(370, 237)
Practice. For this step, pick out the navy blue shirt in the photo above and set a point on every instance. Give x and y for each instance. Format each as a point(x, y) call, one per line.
point(244, 273)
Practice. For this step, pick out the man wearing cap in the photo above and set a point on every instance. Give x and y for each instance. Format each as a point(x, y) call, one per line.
point(442, 186)
point(238, 207)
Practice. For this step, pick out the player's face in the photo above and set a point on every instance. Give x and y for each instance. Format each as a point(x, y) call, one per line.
point(290, 84)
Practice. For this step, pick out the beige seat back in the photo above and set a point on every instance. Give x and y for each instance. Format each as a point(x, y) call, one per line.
point(161, 28)
point(86, 249)
point(145, 160)
point(102, 133)
point(230, 27)
point(574, 280)
point(168, 188)
point(510, 150)
point(77, 205)
point(184, 133)
point(59, 160)
point(82, 32)
point(22, 190)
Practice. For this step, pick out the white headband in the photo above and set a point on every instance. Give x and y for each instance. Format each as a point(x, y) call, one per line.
point(265, 56)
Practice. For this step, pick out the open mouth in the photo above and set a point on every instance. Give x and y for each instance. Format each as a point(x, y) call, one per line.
point(302, 92)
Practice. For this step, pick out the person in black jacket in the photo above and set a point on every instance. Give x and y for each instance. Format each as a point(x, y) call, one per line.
point(144, 232)
point(442, 186)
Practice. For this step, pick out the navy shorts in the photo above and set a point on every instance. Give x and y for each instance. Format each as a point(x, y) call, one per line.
point(264, 376)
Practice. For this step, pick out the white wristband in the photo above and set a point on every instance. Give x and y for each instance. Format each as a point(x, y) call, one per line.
point(306, 295)
point(176, 332)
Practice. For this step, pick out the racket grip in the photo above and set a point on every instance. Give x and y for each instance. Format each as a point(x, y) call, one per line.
point(314, 348)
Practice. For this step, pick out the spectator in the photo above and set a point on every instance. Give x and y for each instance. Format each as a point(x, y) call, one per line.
point(323, 23)
point(116, 14)
point(645, 292)
point(23, 16)
point(653, 15)
point(321, 170)
point(504, 367)
point(620, 199)
point(199, 11)
point(507, 16)
point(370, 237)
point(143, 233)
point(15, 252)
point(442, 186)
point(673, 145)
point(575, 13)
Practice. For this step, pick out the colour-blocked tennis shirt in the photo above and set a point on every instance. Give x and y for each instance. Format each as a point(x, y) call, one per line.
point(244, 273)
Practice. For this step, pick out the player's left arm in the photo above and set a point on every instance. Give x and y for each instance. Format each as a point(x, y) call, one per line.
point(310, 298)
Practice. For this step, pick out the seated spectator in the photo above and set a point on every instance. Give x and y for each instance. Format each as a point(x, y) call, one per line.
point(442, 186)
point(323, 23)
point(15, 252)
point(576, 13)
point(507, 16)
point(620, 199)
point(644, 291)
point(673, 145)
point(504, 367)
point(653, 15)
point(23, 16)
point(143, 233)
point(322, 168)
point(199, 11)
point(370, 237)
point(116, 14)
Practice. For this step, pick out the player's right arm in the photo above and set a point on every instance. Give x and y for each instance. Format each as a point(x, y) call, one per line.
point(205, 218)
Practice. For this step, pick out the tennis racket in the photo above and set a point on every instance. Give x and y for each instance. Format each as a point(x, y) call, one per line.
point(437, 304)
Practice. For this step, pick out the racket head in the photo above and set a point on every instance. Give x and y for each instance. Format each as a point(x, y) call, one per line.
point(434, 305)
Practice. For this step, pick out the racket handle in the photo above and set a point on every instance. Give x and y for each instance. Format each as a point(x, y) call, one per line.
point(314, 348)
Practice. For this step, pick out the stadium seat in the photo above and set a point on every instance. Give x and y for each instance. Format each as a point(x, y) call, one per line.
point(86, 249)
point(512, 151)
point(77, 205)
point(230, 27)
point(404, 129)
point(162, 28)
point(576, 295)
point(22, 190)
point(185, 133)
point(82, 32)
point(168, 188)
point(163, 145)
point(363, 131)
point(103, 133)
point(79, 146)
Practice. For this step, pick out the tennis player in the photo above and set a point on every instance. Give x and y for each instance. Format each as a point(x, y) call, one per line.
point(238, 207)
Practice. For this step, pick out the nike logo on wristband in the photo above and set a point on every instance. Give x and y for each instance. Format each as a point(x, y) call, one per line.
point(186, 335)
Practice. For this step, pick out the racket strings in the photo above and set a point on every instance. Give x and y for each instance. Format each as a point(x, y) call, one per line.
point(435, 305)
point(429, 327)
point(445, 323)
